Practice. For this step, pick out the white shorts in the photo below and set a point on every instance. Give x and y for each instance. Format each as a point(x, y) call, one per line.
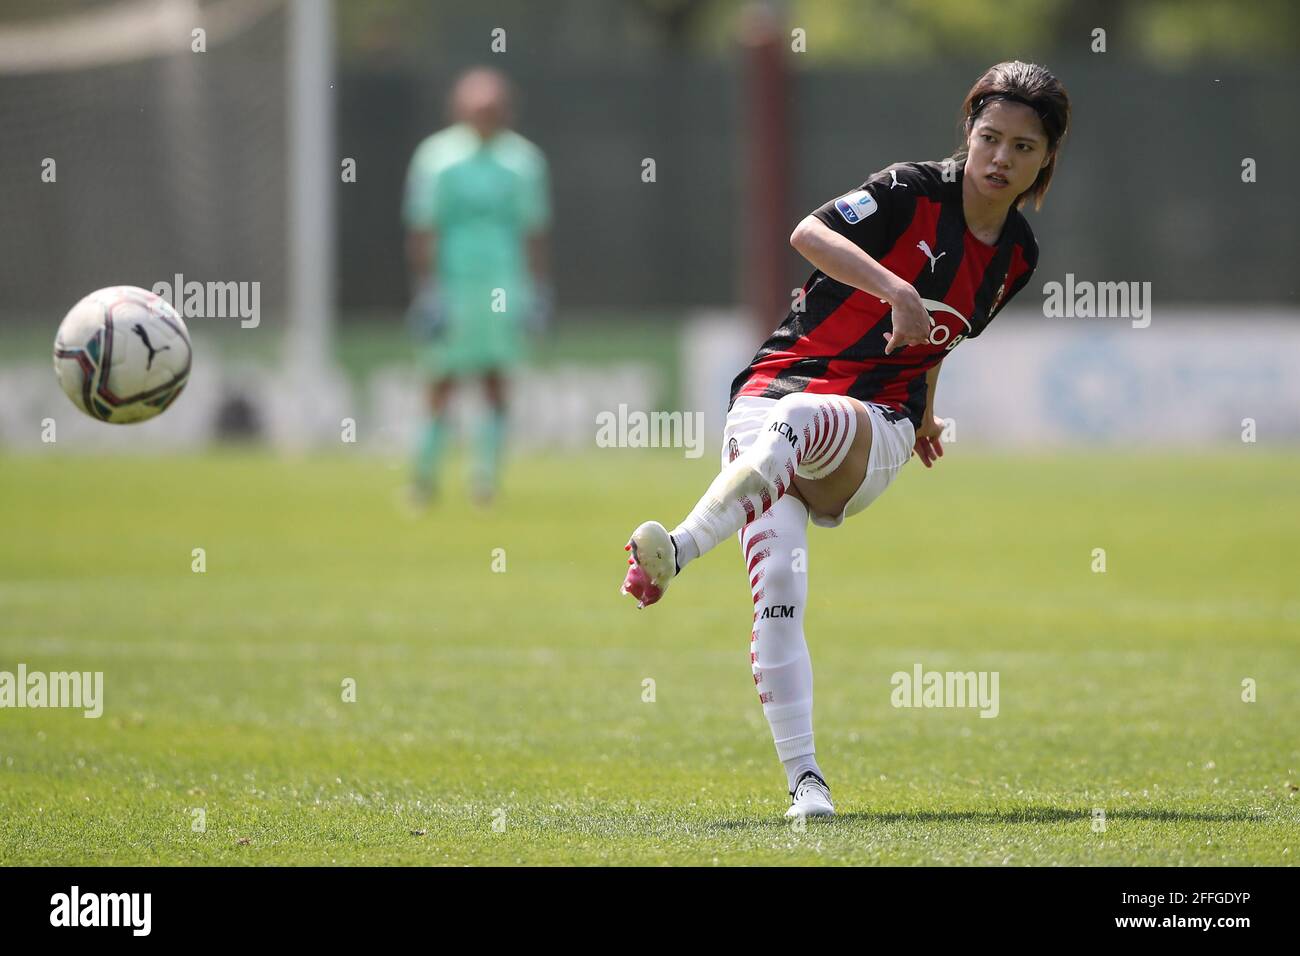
point(891, 447)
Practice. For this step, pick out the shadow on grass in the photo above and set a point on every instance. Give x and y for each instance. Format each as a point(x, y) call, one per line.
point(1017, 815)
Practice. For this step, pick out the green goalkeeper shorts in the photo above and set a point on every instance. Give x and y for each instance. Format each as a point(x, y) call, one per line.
point(469, 337)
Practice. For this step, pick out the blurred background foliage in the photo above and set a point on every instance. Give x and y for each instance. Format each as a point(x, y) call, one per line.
point(843, 31)
point(839, 31)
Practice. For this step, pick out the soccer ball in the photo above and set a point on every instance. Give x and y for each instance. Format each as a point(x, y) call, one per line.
point(122, 354)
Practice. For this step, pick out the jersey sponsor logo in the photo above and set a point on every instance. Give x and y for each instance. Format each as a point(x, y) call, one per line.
point(997, 299)
point(856, 206)
point(940, 332)
point(778, 610)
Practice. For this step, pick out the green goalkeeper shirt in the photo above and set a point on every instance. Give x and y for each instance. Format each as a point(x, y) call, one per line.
point(482, 198)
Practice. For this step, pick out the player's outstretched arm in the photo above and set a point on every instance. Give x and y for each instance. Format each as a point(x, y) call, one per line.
point(843, 261)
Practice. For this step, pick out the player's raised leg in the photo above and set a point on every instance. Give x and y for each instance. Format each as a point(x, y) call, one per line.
point(805, 436)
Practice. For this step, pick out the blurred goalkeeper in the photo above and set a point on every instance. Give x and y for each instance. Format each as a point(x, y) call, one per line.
point(476, 211)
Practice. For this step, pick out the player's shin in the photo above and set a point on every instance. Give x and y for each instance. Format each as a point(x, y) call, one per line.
point(427, 454)
point(775, 553)
point(491, 439)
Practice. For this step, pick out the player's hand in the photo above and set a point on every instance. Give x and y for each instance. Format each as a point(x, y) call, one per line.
point(911, 321)
point(928, 447)
point(427, 313)
point(542, 311)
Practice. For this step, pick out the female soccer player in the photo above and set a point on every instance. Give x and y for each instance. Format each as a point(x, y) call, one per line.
point(913, 261)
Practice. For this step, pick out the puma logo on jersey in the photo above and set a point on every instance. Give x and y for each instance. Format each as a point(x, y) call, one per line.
point(893, 174)
point(925, 247)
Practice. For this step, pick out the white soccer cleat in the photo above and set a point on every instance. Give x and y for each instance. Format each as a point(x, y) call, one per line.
point(811, 797)
point(653, 563)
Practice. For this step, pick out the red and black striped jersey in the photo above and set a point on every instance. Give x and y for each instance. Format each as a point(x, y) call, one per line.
point(911, 221)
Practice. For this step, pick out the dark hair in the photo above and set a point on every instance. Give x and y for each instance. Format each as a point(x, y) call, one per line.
point(1037, 88)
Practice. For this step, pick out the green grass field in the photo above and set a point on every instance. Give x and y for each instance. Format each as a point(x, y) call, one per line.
point(515, 698)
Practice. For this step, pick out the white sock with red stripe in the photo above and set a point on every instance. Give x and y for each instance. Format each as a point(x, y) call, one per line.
point(806, 435)
point(775, 548)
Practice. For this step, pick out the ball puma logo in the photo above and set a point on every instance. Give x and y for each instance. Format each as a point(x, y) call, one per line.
point(138, 329)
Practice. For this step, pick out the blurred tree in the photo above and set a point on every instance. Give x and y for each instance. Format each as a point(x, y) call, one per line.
point(896, 31)
point(1181, 30)
point(850, 31)
point(844, 31)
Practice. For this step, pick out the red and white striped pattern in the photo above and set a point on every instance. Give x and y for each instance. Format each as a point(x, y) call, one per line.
point(820, 445)
point(826, 440)
point(758, 550)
